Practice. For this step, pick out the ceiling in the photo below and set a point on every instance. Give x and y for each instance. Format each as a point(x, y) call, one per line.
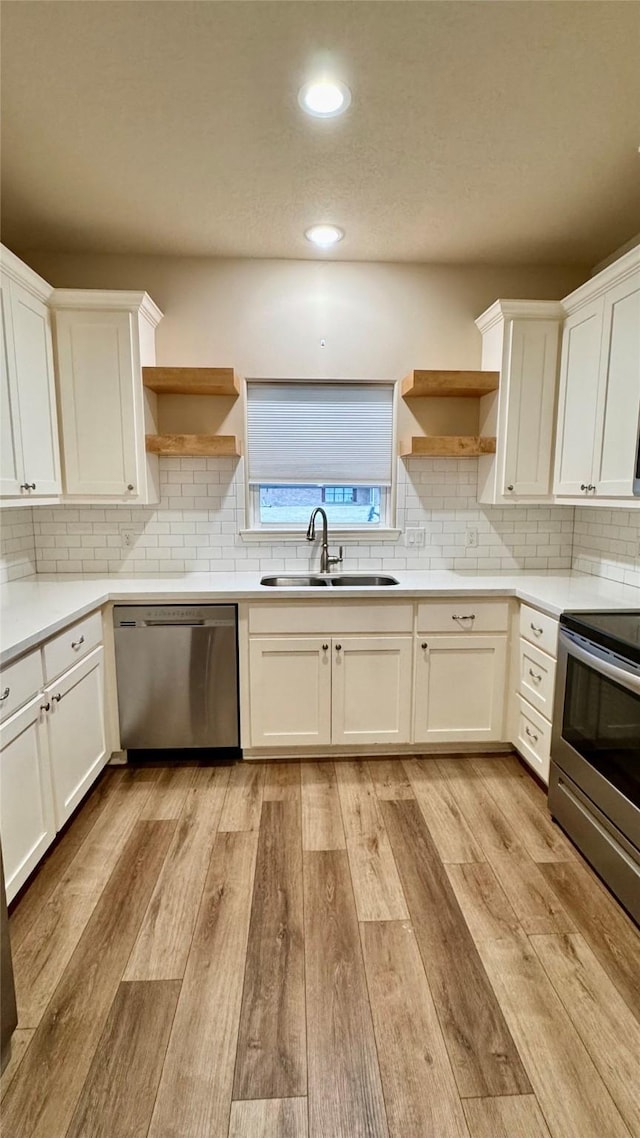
point(479, 132)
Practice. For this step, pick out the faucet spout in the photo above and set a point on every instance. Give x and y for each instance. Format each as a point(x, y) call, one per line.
point(311, 535)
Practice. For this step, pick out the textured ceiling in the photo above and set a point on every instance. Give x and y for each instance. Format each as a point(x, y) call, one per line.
point(478, 132)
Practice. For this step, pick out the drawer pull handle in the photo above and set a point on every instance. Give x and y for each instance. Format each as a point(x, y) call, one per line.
point(535, 676)
point(45, 706)
point(325, 647)
point(4, 695)
point(471, 616)
point(531, 734)
point(56, 698)
point(77, 643)
point(536, 631)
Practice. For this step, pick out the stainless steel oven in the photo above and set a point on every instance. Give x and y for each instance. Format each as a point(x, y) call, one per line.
point(594, 784)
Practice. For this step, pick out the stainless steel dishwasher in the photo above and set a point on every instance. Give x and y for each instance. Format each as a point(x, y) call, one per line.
point(177, 675)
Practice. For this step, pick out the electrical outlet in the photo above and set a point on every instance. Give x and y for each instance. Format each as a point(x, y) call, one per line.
point(128, 537)
point(414, 536)
point(472, 538)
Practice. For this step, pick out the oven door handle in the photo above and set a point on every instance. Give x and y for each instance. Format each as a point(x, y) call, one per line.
point(627, 680)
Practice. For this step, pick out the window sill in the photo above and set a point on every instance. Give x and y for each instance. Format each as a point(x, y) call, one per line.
point(275, 537)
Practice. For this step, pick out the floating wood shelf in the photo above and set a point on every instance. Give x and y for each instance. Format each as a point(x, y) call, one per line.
point(191, 381)
point(449, 446)
point(440, 384)
point(193, 446)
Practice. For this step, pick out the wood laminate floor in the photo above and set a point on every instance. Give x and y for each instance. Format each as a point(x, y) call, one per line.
point(391, 949)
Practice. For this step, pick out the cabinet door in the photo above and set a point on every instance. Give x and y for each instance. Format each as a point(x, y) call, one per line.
point(31, 321)
point(533, 366)
point(578, 399)
point(459, 689)
point(27, 823)
point(77, 737)
point(98, 412)
point(11, 474)
point(290, 692)
point(619, 392)
point(371, 689)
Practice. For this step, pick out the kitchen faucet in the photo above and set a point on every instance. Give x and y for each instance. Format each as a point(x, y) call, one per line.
point(325, 561)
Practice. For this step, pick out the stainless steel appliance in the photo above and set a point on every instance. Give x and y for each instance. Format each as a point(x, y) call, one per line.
point(177, 676)
point(8, 1012)
point(594, 785)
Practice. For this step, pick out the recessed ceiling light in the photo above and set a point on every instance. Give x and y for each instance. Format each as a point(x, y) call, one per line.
point(324, 236)
point(324, 98)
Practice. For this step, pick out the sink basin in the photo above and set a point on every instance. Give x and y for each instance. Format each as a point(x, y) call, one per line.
point(372, 581)
point(294, 582)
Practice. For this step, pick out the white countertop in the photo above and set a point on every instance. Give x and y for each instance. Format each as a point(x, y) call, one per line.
point(37, 607)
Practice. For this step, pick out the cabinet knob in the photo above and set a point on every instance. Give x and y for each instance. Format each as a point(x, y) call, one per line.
point(424, 644)
point(4, 694)
point(325, 647)
point(510, 486)
point(338, 647)
point(45, 706)
point(591, 486)
point(130, 486)
point(27, 486)
point(56, 698)
point(583, 486)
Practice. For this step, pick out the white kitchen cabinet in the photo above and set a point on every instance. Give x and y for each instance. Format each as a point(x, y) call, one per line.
point(619, 393)
point(459, 686)
point(76, 732)
point(520, 340)
point(290, 691)
point(103, 340)
point(371, 689)
point(30, 444)
point(27, 822)
point(599, 399)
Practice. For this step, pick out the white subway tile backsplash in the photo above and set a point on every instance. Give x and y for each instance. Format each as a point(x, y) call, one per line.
point(17, 544)
point(606, 543)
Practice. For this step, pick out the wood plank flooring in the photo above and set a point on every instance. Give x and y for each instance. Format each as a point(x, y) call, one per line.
point(367, 949)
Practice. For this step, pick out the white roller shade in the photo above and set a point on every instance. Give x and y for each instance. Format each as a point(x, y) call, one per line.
point(320, 433)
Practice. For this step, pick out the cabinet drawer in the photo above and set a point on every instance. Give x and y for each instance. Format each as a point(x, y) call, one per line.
point(539, 629)
point(71, 645)
point(537, 677)
point(534, 739)
point(19, 682)
point(473, 615)
point(330, 619)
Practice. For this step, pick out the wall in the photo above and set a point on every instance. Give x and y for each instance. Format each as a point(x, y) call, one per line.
point(606, 543)
point(17, 544)
point(195, 528)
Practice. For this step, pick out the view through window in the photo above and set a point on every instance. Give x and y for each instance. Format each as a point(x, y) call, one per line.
point(345, 505)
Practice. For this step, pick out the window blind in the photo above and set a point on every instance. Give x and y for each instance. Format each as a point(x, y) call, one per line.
point(320, 433)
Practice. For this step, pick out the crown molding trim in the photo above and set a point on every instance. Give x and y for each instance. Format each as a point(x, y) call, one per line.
point(107, 300)
point(519, 310)
point(23, 275)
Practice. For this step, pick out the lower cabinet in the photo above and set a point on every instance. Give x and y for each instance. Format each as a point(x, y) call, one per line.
point(459, 688)
point(371, 689)
point(290, 692)
point(330, 690)
point(27, 821)
point(76, 730)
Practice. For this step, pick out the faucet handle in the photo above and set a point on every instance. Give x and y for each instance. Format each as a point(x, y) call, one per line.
point(337, 560)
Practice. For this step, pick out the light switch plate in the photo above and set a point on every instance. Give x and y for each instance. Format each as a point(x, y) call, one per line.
point(414, 536)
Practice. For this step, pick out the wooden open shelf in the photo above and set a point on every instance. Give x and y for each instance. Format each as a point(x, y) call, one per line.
point(441, 384)
point(193, 446)
point(191, 381)
point(449, 446)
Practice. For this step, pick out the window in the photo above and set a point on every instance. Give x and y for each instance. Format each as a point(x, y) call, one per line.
point(319, 444)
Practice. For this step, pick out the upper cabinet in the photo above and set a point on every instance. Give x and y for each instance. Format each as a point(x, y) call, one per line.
point(520, 340)
point(103, 340)
point(30, 462)
point(599, 395)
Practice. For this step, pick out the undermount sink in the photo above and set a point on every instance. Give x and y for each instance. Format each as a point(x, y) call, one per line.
point(347, 580)
point(291, 582)
point(373, 580)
